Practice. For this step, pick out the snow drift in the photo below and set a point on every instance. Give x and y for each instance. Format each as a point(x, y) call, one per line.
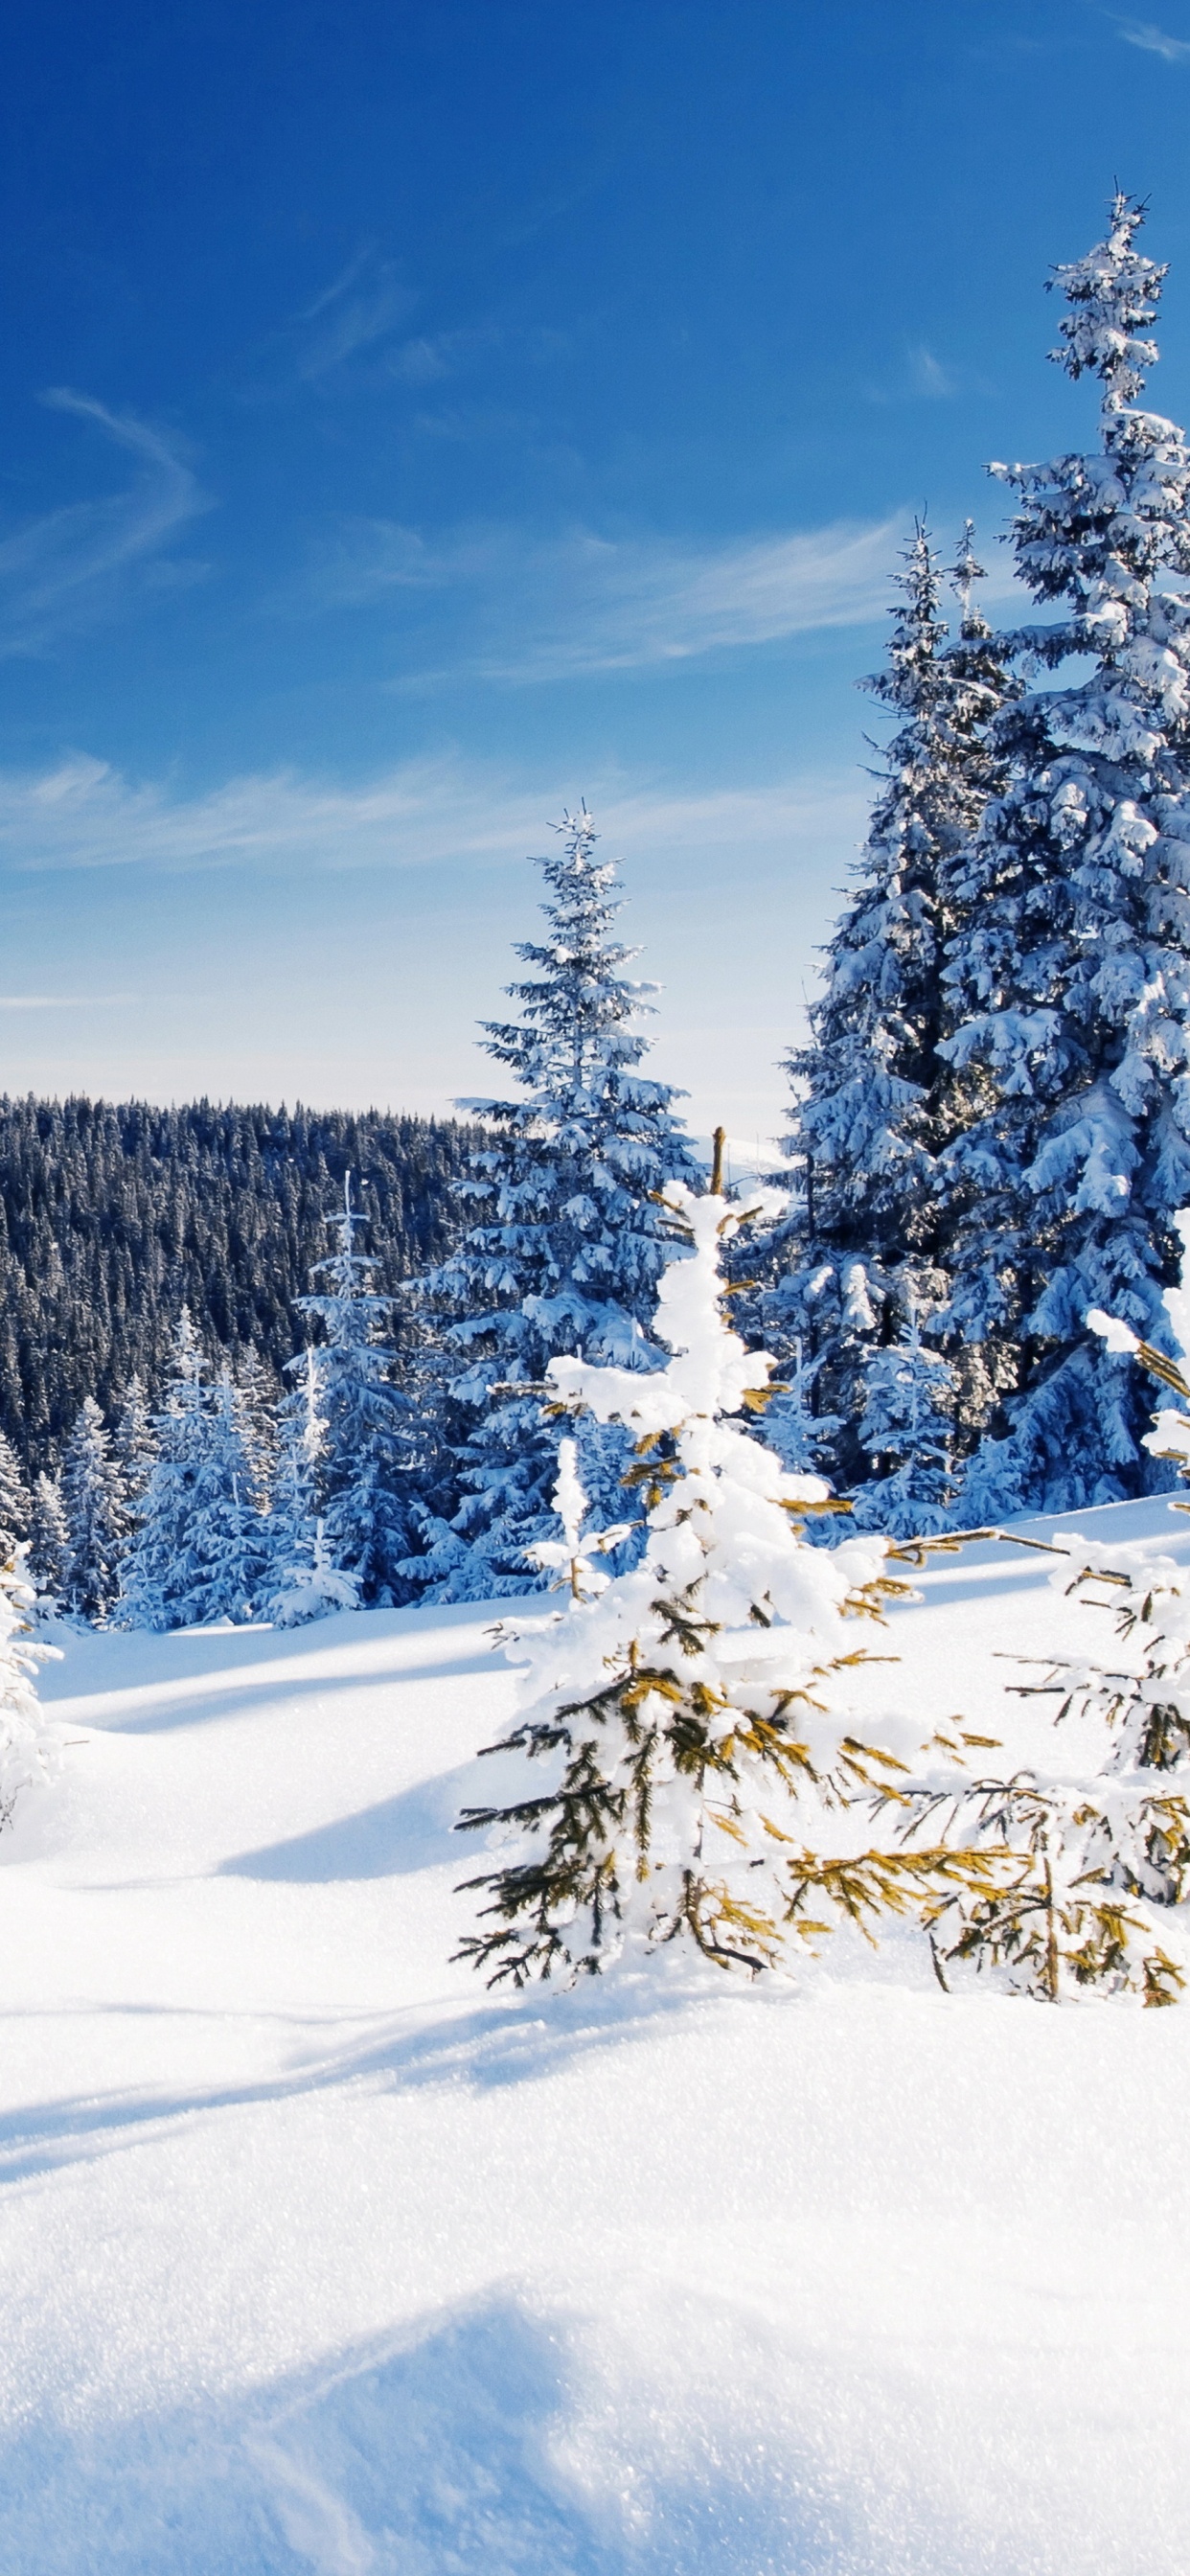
point(316, 2256)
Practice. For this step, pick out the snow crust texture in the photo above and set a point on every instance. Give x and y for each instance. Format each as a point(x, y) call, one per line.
point(315, 2257)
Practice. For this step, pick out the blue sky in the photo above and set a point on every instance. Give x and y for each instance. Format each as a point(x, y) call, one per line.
point(418, 417)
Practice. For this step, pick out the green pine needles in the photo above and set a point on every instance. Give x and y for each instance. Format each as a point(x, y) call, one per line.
point(702, 1776)
point(1086, 1871)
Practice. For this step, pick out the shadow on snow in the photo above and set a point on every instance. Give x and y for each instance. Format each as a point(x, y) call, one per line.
point(495, 2044)
point(445, 2449)
point(394, 1839)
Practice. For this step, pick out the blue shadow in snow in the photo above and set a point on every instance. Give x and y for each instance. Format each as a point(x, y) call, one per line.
point(441, 2454)
point(394, 1839)
point(497, 2044)
point(211, 1703)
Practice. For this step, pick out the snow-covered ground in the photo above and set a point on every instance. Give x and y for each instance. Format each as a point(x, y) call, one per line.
point(317, 2257)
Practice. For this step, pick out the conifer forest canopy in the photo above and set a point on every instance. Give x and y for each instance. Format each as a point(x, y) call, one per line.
point(114, 1217)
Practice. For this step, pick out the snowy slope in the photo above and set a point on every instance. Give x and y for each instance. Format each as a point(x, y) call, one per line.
point(315, 2257)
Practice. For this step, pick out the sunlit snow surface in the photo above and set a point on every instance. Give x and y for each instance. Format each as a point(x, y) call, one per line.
point(315, 2257)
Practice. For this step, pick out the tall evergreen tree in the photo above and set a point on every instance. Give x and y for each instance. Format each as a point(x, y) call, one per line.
point(48, 1554)
point(133, 1446)
point(364, 1419)
point(154, 1573)
point(566, 1246)
point(300, 1582)
point(15, 1499)
point(864, 1127)
point(293, 1520)
point(94, 1517)
point(907, 1430)
point(257, 1390)
point(199, 1552)
point(1071, 984)
point(876, 1099)
point(225, 1527)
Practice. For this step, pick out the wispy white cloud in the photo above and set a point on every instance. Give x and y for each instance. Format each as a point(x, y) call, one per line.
point(352, 323)
point(63, 1001)
point(421, 361)
point(1153, 40)
point(543, 609)
point(916, 374)
point(359, 324)
point(79, 564)
point(429, 359)
point(928, 375)
point(437, 814)
point(365, 304)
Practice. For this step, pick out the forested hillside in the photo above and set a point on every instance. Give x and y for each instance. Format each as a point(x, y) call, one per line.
point(114, 1216)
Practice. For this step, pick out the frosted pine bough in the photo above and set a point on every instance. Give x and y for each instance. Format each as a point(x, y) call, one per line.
point(1079, 1874)
point(686, 1713)
point(1091, 1870)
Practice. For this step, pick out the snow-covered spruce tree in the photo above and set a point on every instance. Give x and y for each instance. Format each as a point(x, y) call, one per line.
point(28, 1739)
point(15, 1499)
point(152, 1575)
point(95, 1517)
point(1071, 985)
point(312, 1587)
point(875, 1100)
point(687, 1715)
point(47, 1556)
point(566, 1246)
point(133, 1447)
point(299, 1581)
point(796, 1426)
point(907, 1430)
point(199, 1551)
point(364, 1421)
point(225, 1544)
point(258, 1392)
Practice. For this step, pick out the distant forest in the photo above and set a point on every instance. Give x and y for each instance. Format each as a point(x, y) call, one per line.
point(113, 1217)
